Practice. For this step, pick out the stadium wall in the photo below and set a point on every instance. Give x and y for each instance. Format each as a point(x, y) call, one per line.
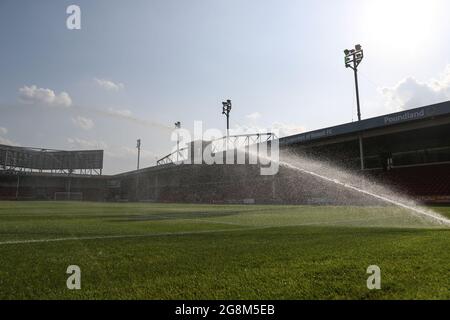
point(223, 184)
point(39, 186)
point(227, 184)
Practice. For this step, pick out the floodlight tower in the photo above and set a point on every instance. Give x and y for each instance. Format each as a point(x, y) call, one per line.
point(138, 146)
point(226, 108)
point(353, 58)
point(178, 126)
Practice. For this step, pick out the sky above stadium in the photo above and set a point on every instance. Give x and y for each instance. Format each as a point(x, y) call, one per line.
point(136, 67)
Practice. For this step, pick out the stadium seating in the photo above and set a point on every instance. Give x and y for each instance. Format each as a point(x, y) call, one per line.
point(419, 181)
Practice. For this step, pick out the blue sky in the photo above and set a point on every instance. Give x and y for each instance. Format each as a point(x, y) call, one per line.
point(136, 67)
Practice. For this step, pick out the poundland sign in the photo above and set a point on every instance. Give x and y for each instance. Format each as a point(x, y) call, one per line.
point(405, 116)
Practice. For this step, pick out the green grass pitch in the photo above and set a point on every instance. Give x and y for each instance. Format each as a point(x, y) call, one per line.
point(180, 251)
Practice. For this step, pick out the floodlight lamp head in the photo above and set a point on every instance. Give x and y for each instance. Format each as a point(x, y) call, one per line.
point(346, 52)
point(358, 47)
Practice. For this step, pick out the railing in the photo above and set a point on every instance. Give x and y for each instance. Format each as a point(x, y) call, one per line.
point(220, 145)
point(176, 156)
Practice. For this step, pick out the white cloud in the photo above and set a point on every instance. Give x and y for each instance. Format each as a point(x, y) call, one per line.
point(3, 140)
point(83, 123)
point(8, 142)
point(109, 85)
point(47, 97)
point(411, 93)
point(253, 116)
point(86, 144)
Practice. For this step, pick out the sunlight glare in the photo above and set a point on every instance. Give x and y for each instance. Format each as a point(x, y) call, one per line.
point(399, 24)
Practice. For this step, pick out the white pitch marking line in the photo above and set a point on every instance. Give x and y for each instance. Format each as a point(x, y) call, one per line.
point(120, 236)
point(181, 233)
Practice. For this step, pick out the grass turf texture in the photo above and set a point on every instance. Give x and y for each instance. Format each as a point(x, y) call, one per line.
point(175, 251)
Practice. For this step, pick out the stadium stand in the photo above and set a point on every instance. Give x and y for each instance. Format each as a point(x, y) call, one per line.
point(408, 150)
